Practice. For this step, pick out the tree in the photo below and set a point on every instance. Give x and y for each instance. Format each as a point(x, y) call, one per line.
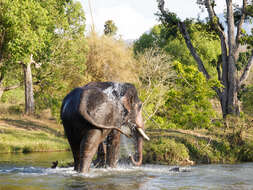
point(149, 40)
point(230, 44)
point(63, 67)
point(110, 28)
point(29, 31)
point(188, 103)
point(24, 25)
point(173, 43)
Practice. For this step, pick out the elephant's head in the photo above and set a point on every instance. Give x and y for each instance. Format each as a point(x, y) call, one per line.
point(115, 106)
point(133, 105)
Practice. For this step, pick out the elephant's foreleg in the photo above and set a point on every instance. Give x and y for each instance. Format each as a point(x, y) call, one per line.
point(88, 148)
point(113, 146)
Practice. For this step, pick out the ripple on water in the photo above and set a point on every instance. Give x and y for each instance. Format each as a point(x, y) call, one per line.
point(148, 177)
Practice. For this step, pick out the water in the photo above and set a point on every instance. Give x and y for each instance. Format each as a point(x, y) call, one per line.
point(33, 172)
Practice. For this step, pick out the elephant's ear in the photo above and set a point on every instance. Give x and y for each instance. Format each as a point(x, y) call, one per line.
point(97, 109)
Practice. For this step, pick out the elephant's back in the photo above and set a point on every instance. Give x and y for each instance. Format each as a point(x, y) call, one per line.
point(70, 104)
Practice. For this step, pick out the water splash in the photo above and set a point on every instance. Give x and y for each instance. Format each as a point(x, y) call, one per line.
point(121, 170)
point(126, 146)
point(113, 91)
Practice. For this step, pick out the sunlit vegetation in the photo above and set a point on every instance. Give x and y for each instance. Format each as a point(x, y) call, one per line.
point(24, 134)
point(182, 105)
point(109, 59)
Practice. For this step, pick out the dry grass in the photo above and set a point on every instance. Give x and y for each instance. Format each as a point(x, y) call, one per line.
point(109, 59)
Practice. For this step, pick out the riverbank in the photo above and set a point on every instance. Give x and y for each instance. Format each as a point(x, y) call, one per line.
point(187, 147)
point(24, 134)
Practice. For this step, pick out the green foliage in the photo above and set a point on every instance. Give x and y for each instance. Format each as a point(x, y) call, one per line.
point(110, 28)
point(25, 25)
point(53, 81)
point(214, 145)
point(188, 104)
point(188, 101)
point(163, 37)
point(165, 151)
point(148, 40)
point(247, 100)
point(246, 153)
point(13, 96)
point(53, 32)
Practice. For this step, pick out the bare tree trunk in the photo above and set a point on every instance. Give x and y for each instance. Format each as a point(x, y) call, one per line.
point(233, 106)
point(29, 99)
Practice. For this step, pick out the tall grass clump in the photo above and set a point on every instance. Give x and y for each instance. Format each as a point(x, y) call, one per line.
point(109, 59)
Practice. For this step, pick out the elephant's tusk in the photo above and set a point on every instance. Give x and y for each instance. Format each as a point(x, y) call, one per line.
point(143, 134)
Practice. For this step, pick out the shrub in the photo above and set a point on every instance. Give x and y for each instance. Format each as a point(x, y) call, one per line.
point(247, 100)
point(165, 151)
point(188, 103)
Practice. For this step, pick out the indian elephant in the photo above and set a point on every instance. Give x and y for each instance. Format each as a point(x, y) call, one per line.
point(92, 112)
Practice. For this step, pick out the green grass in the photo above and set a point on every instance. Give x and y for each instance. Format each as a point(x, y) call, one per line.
point(16, 140)
point(25, 134)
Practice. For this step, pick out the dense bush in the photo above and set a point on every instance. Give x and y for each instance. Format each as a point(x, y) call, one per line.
point(188, 102)
point(247, 100)
point(165, 151)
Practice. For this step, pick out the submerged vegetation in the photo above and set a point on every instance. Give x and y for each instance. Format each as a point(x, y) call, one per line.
point(182, 105)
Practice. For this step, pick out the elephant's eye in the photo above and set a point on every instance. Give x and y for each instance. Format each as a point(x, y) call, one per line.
point(139, 106)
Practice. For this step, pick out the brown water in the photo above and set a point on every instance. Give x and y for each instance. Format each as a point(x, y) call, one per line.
point(33, 172)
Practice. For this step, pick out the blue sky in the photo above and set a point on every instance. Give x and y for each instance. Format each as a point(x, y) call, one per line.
point(134, 17)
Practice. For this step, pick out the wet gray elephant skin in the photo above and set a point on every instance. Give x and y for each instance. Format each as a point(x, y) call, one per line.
point(92, 112)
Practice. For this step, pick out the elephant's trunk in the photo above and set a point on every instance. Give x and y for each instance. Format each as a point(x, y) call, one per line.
point(139, 152)
point(140, 136)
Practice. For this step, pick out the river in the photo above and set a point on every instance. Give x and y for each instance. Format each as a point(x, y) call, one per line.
point(33, 172)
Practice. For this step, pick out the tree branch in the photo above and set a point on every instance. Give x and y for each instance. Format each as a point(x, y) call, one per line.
point(11, 87)
point(246, 71)
point(161, 7)
point(187, 39)
point(193, 51)
point(1, 77)
point(218, 28)
point(218, 70)
point(231, 27)
point(1, 45)
point(239, 27)
point(213, 18)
